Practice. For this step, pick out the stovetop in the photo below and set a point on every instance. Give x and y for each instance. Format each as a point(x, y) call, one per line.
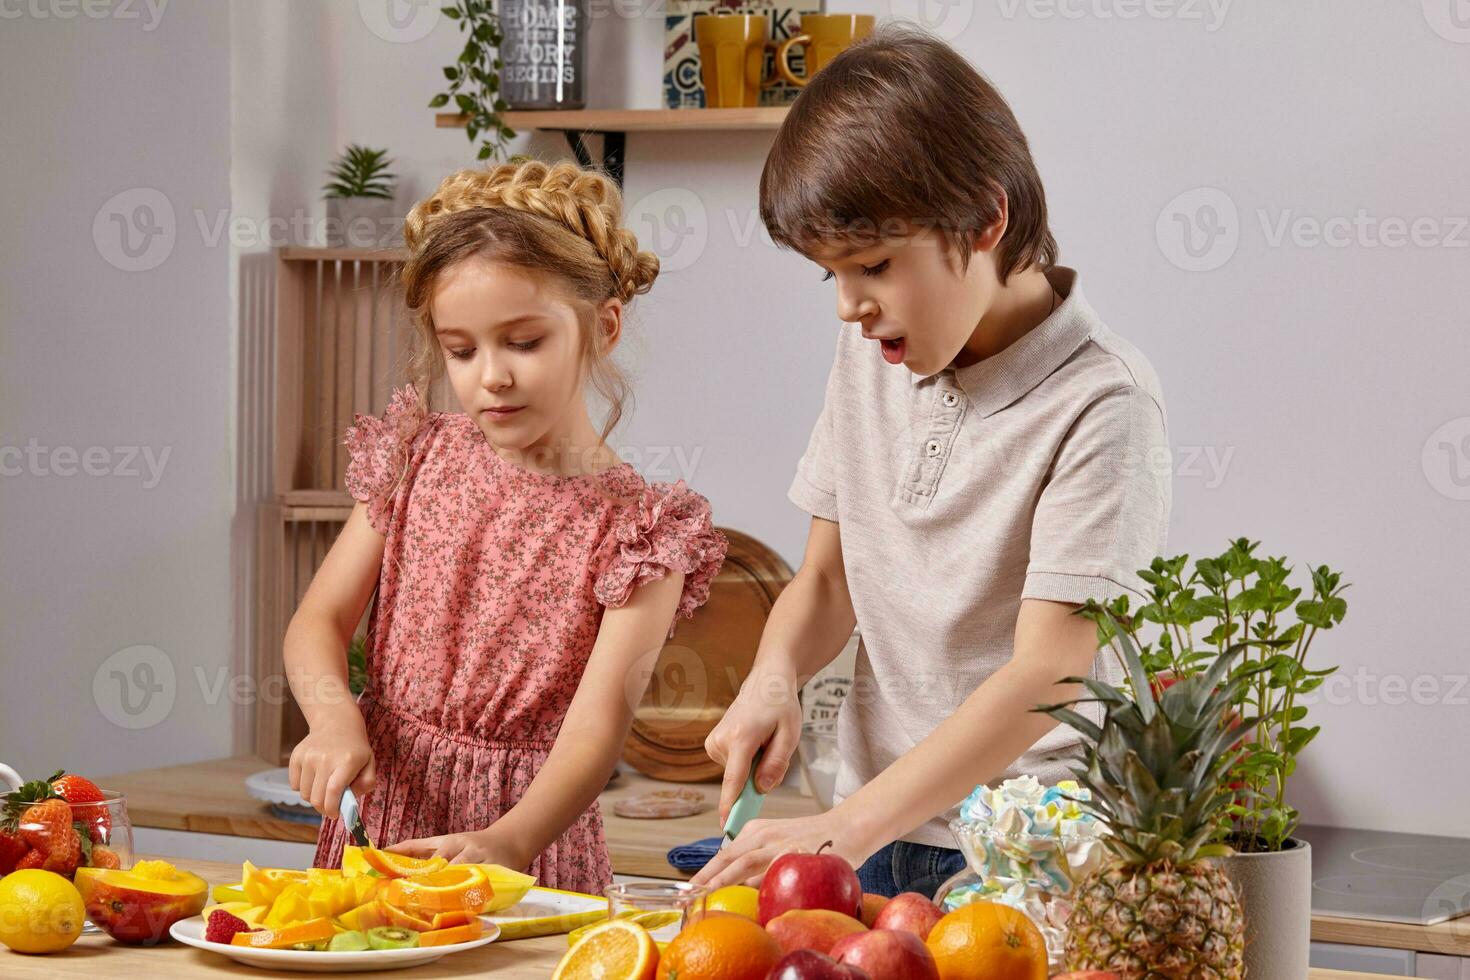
point(1371, 874)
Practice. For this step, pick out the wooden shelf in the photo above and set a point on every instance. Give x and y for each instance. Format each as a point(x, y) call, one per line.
point(635, 120)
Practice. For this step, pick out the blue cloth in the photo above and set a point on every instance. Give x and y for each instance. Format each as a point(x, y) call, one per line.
point(695, 855)
point(904, 866)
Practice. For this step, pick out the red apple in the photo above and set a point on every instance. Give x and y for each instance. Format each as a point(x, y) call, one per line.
point(909, 912)
point(137, 906)
point(807, 964)
point(817, 929)
point(872, 905)
point(809, 881)
point(887, 954)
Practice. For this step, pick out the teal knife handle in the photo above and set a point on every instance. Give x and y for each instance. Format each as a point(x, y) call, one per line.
point(748, 806)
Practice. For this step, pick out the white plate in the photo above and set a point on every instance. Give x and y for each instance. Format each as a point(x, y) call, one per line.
point(548, 912)
point(191, 933)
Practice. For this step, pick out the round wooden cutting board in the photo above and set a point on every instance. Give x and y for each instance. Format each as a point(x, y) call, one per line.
point(699, 671)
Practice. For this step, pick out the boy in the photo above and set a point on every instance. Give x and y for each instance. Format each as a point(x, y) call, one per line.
point(988, 457)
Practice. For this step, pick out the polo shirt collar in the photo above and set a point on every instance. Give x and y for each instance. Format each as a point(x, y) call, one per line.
point(1004, 377)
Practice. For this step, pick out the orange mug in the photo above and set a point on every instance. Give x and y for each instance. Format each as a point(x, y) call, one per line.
point(732, 57)
point(827, 35)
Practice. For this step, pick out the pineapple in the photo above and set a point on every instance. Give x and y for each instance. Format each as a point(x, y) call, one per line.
point(1159, 910)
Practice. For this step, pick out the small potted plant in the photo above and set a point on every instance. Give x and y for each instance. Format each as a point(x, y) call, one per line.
point(360, 211)
point(1236, 600)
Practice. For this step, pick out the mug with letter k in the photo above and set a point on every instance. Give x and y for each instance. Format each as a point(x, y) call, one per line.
point(827, 35)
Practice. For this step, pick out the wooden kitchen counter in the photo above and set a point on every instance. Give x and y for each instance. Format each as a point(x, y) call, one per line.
point(210, 798)
point(99, 956)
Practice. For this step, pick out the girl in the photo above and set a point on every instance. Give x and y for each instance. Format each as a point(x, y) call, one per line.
point(500, 689)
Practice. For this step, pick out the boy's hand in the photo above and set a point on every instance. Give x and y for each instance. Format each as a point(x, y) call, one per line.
point(765, 713)
point(745, 859)
point(328, 760)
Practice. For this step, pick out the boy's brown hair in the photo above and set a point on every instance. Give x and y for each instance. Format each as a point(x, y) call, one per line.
point(896, 134)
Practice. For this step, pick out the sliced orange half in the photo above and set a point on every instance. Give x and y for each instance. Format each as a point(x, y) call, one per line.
point(461, 933)
point(615, 950)
point(400, 865)
point(458, 888)
point(310, 931)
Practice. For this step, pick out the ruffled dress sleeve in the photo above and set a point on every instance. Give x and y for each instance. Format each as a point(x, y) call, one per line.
point(378, 454)
point(667, 529)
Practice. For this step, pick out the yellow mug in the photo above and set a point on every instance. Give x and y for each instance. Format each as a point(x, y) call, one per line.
point(828, 36)
point(732, 57)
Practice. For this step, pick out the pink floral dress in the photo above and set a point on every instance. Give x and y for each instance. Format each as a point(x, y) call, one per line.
point(492, 589)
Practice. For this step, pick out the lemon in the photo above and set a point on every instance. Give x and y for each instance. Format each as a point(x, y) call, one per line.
point(40, 911)
point(740, 899)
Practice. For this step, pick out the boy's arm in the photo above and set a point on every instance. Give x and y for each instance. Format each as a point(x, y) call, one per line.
point(808, 626)
point(988, 732)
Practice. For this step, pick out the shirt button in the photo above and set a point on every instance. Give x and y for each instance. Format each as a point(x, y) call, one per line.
point(951, 399)
point(933, 448)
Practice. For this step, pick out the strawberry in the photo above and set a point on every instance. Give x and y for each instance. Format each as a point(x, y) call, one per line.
point(43, 822)
point(33, 859)
point(12, 849)
point(64, 853)
point(105, 857)
point(80, 791)
point(223, 926)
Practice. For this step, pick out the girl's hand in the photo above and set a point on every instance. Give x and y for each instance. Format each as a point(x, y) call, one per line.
point(766, 712)
point(745, 860)
point(487, 846)
point(331, 758)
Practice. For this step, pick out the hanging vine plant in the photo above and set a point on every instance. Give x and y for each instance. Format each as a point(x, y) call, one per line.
point(474, 78)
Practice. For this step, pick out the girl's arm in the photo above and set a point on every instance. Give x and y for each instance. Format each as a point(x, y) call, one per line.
point(589, 743)
point(808, 627)
point(335, 752)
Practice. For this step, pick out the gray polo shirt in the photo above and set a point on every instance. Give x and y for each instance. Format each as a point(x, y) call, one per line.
point(1040, 472)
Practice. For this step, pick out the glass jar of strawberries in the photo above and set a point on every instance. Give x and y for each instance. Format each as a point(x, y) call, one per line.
point(61, 824)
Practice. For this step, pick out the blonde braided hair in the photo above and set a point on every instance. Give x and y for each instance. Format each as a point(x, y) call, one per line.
point(584, 202)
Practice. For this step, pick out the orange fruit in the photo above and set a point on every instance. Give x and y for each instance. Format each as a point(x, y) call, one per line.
point(40, 911)
point(615, 950)
point(395, 865)
point(458, 888)
point(984, 939)
point(310, 931)
point(720, 947)
point(461, 933)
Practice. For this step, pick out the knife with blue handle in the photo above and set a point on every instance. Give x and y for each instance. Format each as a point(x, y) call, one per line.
point(748, 806)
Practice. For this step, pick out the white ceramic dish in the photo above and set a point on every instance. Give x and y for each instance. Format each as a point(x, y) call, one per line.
point(549, 912)
point(190, 932)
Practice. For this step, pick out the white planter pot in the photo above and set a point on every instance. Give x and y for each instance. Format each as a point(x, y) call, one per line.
point(1276, 893)
point(363, 222)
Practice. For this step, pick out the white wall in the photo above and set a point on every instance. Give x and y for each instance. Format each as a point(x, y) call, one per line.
point(1312, 376)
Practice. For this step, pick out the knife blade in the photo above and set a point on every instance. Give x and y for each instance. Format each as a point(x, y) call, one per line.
point(352, 818)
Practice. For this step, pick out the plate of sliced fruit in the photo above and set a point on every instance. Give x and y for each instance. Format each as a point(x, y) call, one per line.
point(379, 911)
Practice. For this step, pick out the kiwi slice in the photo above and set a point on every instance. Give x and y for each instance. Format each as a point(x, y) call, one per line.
point(348, 942)
point(311, 947)
point(392, 937)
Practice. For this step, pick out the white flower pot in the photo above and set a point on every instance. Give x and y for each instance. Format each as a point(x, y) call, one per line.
point(363, 222)
point(1276, 893)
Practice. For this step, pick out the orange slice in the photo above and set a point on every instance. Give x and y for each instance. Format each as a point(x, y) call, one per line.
point(400, 865)
point(461, 933)
point(405, 919)
point(310, 931)
point(615, 950)
point(458, 888)
point(446, 919)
